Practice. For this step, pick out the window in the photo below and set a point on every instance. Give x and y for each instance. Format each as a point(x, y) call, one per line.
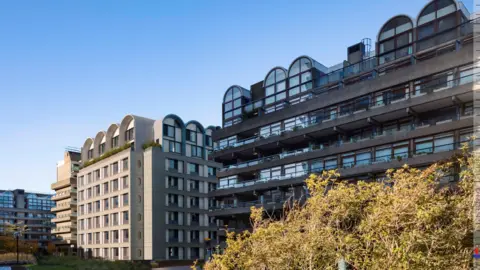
point(233, 101)
point(300, 76)
point(168, 131)
point(294, 170)
point(172, 182)
point(115, 202)
point(114, 185)
point(194, 202)
point(173, 199)
point(129, 135)
point(174, 147)
point(105, 171)
point(105, 188)
point(114, 168)
point(330, 163)
point(395, 39)
point(173, 218)
point(270, 130)
point(212, 172)
point(90, 154)
point(196, 151)
point(275, 86)
point(212, 186)
point(125, 182)
point(125, 199)
point(125, 164)
point(114, 142)
point(317, 166)
point(173, 164)
point(105, 223)
point(191, 136)
point(193, 168)
point(271, 174)
point(227, 181)
point(295, 122)
point(438, 16)
point(101, 149)
point(208, 141)
point(194, 185)
point(383, 154)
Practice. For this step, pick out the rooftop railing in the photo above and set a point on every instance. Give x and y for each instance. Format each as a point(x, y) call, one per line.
point(354, 107)
point(370, 64)
point(359, 163)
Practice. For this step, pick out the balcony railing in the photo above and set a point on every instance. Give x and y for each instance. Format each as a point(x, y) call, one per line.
point(359, 163)
point(351, 108)
point(370, 64)
point(250, 203)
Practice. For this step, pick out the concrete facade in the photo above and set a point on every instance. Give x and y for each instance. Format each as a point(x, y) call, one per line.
point(126, 196)
point(65, 199)
point(408, 104)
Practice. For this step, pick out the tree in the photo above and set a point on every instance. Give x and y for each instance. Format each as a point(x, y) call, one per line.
point(410, 221)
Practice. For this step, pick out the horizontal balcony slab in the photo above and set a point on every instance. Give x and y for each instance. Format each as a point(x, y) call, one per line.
point(432, 101)
point(414, 161)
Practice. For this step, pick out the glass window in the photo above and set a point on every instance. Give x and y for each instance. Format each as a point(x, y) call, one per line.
point(383, 155)
point(443, 143)
point(423, 145)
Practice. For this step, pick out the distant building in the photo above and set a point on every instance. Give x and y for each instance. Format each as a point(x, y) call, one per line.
point(31, 209)
point(66, 201)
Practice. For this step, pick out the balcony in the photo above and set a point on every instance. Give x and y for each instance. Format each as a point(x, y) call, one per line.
point(61, 184)
point(363, 166)
point(316, 150)
point(345, 114)
point(244, 207)
point(345, 76)
point(61, 196)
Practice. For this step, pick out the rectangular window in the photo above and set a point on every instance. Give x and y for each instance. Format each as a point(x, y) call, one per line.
point(194, 185)
point(383, 155)
point(114, 167)
point(129, 135)
point(193, 168)
point(125, 164)
point(212, 172)
point(173, 164)
point(196, 151)
point(443, 142)
point(125, 199)
point(114, 142)
point(168, 131)
point(208, 140)
point(172, 182)
point(191, 136)
point(424, 145)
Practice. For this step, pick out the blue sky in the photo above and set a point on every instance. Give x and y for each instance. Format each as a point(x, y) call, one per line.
point(69, 69)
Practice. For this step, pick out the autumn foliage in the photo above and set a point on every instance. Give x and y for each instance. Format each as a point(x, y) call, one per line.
point(411, 221)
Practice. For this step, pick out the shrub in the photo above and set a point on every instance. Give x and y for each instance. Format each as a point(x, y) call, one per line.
point(147, 145)
point(106, 155)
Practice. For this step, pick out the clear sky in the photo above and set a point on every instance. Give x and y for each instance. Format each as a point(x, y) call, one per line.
point(69, 69)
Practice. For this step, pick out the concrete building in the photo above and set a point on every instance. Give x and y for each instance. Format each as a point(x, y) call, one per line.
point(129, 196)
point(65, 199)
point(410, 102)
point(177, 181)
point(30, 209)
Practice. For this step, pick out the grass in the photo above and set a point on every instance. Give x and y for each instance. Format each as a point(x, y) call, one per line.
point(74, 263)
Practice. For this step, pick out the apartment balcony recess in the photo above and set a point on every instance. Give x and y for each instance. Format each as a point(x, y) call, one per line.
point(355, 110)
point(61, 196)
point(430, 45)
point(244, 207)
point(330, 146)
point(400, 157)
point(61, 184)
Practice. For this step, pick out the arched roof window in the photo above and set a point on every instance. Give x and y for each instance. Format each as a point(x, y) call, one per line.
point(173, 134)
point(435, 17)
point(300, 76)
point(235, 97)
point(275, 85)
point(395, 39)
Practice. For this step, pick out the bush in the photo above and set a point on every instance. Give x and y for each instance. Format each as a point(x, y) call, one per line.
point(147, 145)
point(107, 154)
